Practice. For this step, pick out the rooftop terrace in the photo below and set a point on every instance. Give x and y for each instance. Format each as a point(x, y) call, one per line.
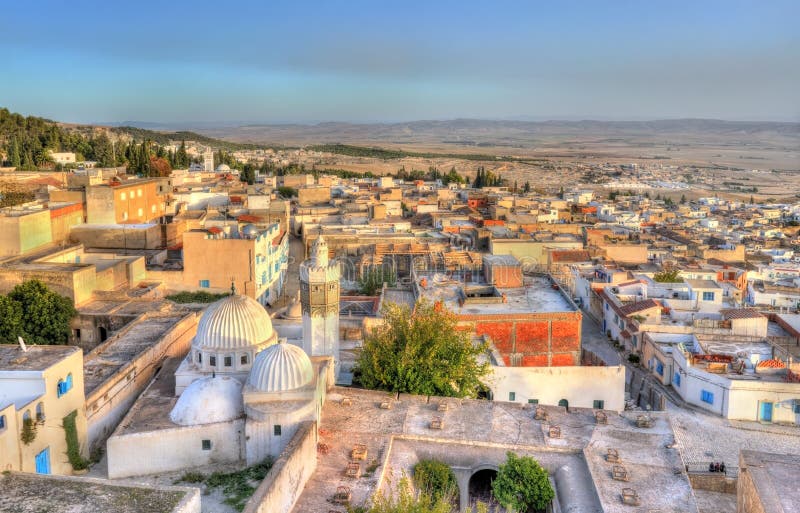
point(34, 493)
point(479, 298)
point(36, 358)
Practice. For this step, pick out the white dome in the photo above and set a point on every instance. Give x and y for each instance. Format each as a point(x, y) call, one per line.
point(209, 400)
point(234, 322)
point(223, 168)
point(279, 368)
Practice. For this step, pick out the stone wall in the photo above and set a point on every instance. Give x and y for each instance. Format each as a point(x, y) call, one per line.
point(166, 450)
point(713, 482)
point(285, 481)
point(107, 404)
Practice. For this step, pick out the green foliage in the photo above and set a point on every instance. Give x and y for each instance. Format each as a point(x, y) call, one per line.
point(522, 485)
point(287, 192)
point(73, 445)
point(190, 477)
point(435, 479)
point(403, 500)
point(28, 431)
point(526, 188)
point(633, 358)
point(421, 353)
point(199, 296)
point(485, 178)
point(668, 276)
point(239, 486)
point(37, 314)
point(372, 280)
point(248, 174)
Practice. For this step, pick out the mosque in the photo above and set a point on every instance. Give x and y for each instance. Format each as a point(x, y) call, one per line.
point(242, 391)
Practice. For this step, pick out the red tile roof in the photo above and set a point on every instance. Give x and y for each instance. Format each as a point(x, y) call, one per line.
point(639, 306)
point(741, 313)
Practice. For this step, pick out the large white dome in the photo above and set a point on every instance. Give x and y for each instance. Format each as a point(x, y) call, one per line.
point(234, 322)
point(209, 400)
point(279, 368)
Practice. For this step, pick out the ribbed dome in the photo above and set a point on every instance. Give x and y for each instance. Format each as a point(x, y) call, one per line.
point(279, 368)
point(234, 322)
point(209, 400)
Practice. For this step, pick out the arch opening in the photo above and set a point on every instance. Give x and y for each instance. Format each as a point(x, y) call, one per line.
point(480, 488)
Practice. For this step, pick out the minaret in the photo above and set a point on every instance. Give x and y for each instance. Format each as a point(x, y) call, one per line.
point(319, 297)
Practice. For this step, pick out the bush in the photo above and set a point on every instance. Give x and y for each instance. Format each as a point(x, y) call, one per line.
point(436, 479)
point(196, 297)
point(372, 280)
point(28, 431)
point(73, 446)
point(522, 484)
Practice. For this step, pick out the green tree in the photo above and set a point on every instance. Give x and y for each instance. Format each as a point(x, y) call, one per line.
point(421, 352)
point(248, 174)
point(683, 199)
point(435, 479)
point(181, 157)
point(13, 153)
point(522, 485)
point(10, 320)
point(287, 192)
point(668, 276)
point(372, 280)
point(45, 314)
point(527, 187)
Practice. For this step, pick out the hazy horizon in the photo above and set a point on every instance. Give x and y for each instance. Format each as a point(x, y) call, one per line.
point(363, 62)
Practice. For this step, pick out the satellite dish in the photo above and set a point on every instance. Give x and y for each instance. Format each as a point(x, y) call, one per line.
point(22, 345)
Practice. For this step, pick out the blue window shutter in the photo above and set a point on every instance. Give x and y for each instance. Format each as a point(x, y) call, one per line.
point(60, 388)
point(68, 383)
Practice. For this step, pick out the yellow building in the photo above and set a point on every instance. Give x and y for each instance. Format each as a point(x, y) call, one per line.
point(40, 387)
point(134, 201)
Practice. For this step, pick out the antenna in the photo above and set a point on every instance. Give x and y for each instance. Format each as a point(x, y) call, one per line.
point(22, 344)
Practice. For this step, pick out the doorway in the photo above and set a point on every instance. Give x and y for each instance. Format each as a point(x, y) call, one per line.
point(43, 462)
point(480, 487)
point(766, 412)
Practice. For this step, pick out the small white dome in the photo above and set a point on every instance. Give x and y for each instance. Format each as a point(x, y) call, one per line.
point(281, 367)
point(233, 322)
point(209, 400)
point(223, 168)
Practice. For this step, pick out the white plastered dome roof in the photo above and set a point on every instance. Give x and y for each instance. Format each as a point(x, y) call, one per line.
point(280, 368)
point(234, 322)
point(209, 400)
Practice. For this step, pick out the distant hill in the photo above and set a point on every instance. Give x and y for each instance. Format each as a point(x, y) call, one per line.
point(476, 132)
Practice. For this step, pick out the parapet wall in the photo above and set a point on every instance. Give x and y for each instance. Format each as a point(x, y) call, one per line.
point(287, 478)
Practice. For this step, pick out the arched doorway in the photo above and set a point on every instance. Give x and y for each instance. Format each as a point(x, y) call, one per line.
point(480, 487)
point(564, 403)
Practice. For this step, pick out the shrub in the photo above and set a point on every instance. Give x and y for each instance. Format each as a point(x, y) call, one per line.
point(522, 484)
point(436, 479)
point(77, 461)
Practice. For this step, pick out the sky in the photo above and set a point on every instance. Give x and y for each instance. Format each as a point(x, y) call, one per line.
point(272, 61)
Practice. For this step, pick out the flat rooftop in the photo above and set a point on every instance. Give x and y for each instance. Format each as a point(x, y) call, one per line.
point(775, 479)
point(35, 493)
point(536, 296)
point(123, 347)
point(36, 358)
point(476, 433)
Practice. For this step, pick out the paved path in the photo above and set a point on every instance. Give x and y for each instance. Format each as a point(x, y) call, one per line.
point(593, 339)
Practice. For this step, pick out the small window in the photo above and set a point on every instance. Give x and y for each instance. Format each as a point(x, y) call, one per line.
point(139, 192)
point(676, 379)
point(206, 445)
point(707, 397)
point(40, 412)
point(212, 360)
point(244, 359)
point(228, 361)
point(598, 404)
point(2, 421)
point(123, 196)
point(708, 296)
point(60, 388)
point(659, 368)
point(205, 284)
point(140, 212)
point(533, 401)
point(796, 407)
point(199, 357)
point(606, 304)
point(276, 430)
point(69, 382)
point(512, 396)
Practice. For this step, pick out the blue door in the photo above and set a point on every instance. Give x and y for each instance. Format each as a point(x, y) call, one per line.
point(43, 462)
point(766, 412)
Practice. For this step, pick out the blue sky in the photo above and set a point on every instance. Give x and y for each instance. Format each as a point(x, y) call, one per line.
point(298, 61)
